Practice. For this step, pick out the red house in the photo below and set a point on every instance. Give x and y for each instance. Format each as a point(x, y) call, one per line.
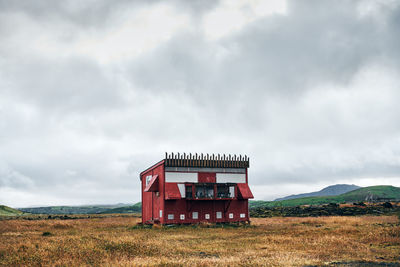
point(196, 188)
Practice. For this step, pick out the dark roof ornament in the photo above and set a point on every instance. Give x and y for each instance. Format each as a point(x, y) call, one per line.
point(206, 160)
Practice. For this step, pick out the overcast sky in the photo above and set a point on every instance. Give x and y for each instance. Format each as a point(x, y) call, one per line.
point(93, 92)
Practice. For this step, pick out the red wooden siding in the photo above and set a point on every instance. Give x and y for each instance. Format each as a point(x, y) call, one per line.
point(207, 177)
point(172, 191)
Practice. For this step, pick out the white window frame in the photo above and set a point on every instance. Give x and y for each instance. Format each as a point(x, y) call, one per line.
point(242, 215)
point(230, 215)
point(218, 215)
point(207, 216)
point(195, 215)
point(182, 217)
point(170, 216)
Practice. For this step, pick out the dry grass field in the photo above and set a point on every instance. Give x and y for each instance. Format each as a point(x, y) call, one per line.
point(113, 241)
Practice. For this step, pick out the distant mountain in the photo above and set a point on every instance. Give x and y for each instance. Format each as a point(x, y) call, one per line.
point(7, 211)
point(332, 190)
point(380, 193)
point(89, 209)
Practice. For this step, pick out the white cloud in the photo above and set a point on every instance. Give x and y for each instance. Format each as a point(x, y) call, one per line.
point(134, 32)
point(232, 16)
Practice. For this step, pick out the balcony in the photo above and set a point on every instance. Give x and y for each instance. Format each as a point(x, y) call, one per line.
point(210, 191)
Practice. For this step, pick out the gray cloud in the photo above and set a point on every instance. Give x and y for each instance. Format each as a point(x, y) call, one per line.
point(311, 95)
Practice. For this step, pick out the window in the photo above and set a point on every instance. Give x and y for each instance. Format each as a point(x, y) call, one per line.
point(160, 213)
point(230, 215)
point(195, 215)
point(182, 217)
point(219, 215)
point(148, 178)
point(242, 215)
point(170, 216)
point(189, 193)
point(225, 191)
point(204, 191)
point(207, 216)
point(232, 191)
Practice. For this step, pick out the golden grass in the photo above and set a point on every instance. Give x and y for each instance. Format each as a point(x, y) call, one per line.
point(269, 241)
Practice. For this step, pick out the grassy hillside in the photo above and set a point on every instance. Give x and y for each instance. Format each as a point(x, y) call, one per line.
point(381, 192)
point(72, 209)
point(137, 208)
point(7, 211)
point(332, 190)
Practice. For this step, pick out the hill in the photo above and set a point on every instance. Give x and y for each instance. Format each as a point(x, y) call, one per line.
point(89, 209)
point(7, 211)
point(332, 190)
point(371, 193)
point(137, 208)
